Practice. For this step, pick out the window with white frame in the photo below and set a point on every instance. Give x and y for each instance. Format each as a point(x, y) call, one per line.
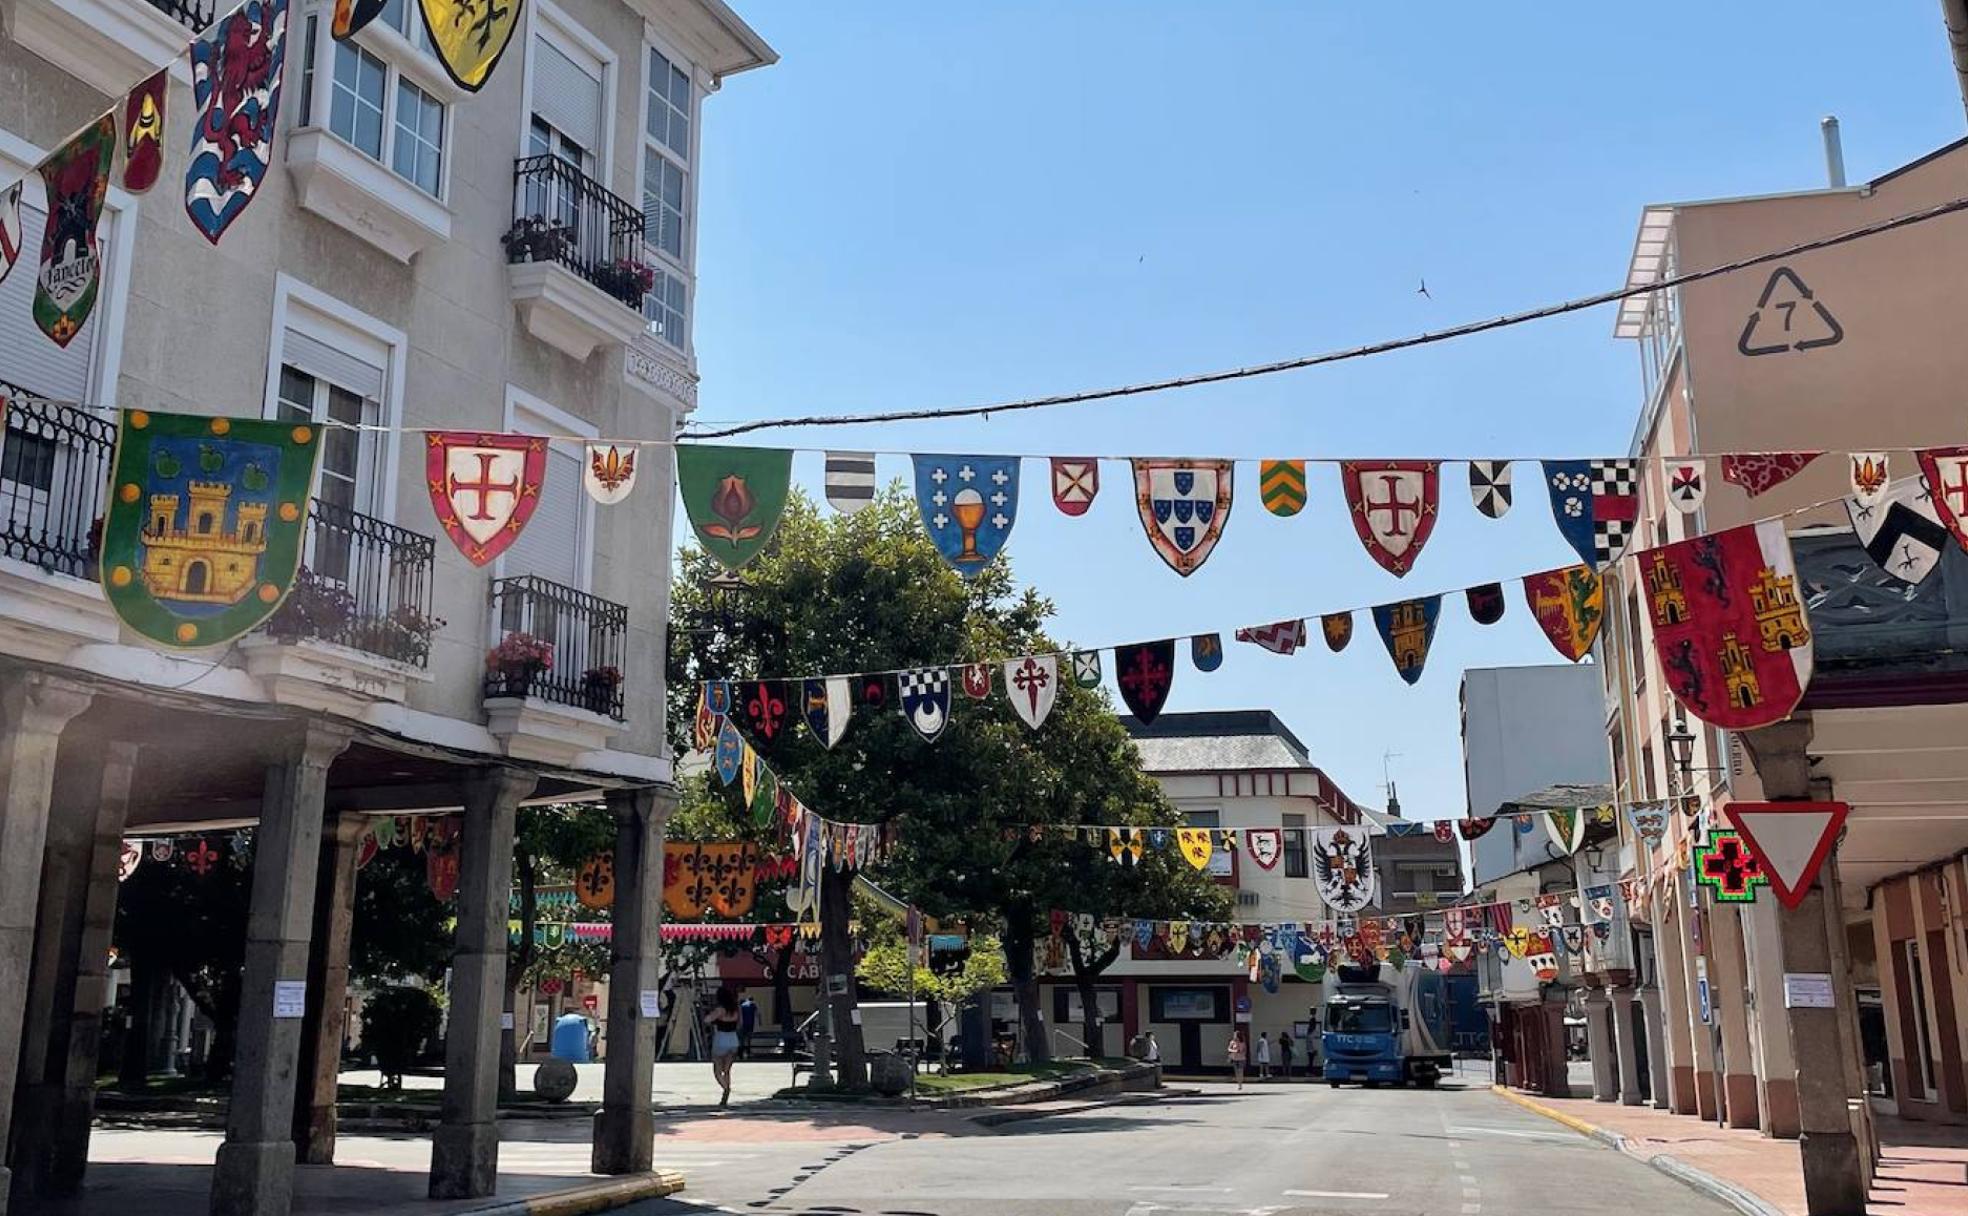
point(553, 545)
point(567, 87)
point(372, 104)
point(669, 106)
point(338, 381)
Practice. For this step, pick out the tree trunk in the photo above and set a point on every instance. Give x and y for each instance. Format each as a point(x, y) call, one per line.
point(517, 961)
point(1085, 971)
point(1025, 985)
point(837, 959)
point(135, 1073)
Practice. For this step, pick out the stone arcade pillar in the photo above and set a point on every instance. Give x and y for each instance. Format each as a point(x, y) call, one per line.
point(1729, 979)
point(326, 1024)
point(34, 710)
point(1656, 1027)
point(1776, 1075)
point(624, 1129)
point(1599, 1045)
point(57, 1097)
point(1834, 1177)
point(254, 1172)
point(1676, 1003)
point(465, 1151)
point(1629, 1047)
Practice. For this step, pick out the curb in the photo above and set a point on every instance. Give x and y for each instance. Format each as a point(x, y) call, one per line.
point(1695, 1179)
point(588, 1197)
point(1014, 1114)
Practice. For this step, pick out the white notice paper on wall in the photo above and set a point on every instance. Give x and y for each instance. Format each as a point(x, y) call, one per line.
point(1807, 990)
point(652, 1003)
point(506, 1020)
point(290, 998)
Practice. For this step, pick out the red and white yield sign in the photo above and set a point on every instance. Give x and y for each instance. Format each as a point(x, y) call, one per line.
point(1791, 839)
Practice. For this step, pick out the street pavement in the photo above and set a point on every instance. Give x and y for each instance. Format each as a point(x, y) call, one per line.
point(1268, 1150)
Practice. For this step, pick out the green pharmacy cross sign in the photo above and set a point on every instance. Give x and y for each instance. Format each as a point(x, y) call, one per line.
point(203, 534)
point(1729, 869)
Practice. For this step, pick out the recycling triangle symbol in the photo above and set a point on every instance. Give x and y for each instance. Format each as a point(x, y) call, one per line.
point(1788, 317)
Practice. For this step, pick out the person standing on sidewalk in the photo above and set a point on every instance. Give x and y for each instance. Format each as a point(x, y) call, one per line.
point(1284, 1053)
point(1263, 1056)
point(1239, 1055)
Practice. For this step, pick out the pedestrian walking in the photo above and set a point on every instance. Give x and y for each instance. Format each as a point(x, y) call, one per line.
point(723, 1022)
point(1239, 1055)
point(1151, 1051)
point(1263, 1056)
point(1284, 1053)
point(748, 1016)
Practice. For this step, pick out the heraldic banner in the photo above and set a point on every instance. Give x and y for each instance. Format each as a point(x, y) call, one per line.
point(202, 535)
point(1730, 625)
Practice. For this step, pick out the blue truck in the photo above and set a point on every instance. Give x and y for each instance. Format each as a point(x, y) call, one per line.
point(1384, 1025)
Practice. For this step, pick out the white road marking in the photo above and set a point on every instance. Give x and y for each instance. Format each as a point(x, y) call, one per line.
point(1554, 1137)
point(1337, 1194)
point(1465, 1179)
point(1189, 1190)
point(1470, 1209)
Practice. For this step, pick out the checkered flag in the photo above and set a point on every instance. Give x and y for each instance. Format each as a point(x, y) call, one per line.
point(1614, 479)
point(923, 682)
point(1615, 507)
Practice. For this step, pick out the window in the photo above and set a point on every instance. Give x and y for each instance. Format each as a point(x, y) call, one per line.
point(1647, 766)
point(554, 544)
point(376, 109)
point(666, 195)
point(1633, 646)
point(1297, 860)
point(349, 466)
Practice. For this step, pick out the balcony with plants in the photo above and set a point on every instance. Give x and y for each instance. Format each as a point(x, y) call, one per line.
point(574, 258)
point(553, 677)
point(357, 626)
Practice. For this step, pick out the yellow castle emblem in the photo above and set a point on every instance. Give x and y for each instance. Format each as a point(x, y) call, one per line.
point(193, 552)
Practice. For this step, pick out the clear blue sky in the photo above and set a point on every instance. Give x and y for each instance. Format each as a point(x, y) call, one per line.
point(933, 204)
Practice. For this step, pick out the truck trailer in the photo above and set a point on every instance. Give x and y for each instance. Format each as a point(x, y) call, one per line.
point(1386, 1025)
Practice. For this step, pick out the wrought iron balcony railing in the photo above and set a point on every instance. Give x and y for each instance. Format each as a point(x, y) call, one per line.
point(557, 644)
point(364, 584)
point(54, 463)
point(194, 15)
point(560, 214)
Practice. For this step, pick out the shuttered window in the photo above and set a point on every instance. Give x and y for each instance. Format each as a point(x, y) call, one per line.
point(567, 95)
point(358, 372)
point(28, 357)
point(553, 541)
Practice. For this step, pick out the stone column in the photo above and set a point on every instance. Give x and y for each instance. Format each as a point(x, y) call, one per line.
point(1676, 1002)
point(1657, 1065)
point(1628, 1043)
point(1776, 1075)
point(326, 1024)
point(624, 1130)
point(78, 912)
point(465, 1150)
point(1728, 979)
point(34, 710)
point(254, 1172)
point(1834, 1179)
point(1599, 1046)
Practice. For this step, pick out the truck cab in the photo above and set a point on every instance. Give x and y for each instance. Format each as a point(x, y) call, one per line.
point(1386, 1024)
point(1362, 1039)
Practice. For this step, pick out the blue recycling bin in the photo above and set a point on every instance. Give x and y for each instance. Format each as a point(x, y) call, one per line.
point(570, 1038)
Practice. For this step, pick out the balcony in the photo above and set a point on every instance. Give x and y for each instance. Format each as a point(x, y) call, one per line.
point(54, 463)
point(356, 629)
point(553, 682)
point(573, 257)
point(110, 44)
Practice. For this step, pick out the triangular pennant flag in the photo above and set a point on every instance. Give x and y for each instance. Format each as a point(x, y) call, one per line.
point(469, 36)
point(1566, 827)
point(1281, 483)
point(1279, 637)
point(1759, 472)
point(1485, 603)
point(968, 506)
point(1031, 684)
point(1266, 845)
point(1407, 628)
point(1687, 485)
point(925, 696)
point(976, 680)
point(1075, 481)
point(1393, 505)
point(609, 472)
point(733, 496)
point(829, 705)
point(351, 15)
point(1790, 840)
point(731, 749)
point(1595, 504)
point(236, 71)
point(1728, 608)
point(1196, 845)
point(1489, 486)
point(1946, 470)
point(1902, 531)
point(1144, 671)
point(1569, 604)
point(10, 228)
point(850, 481)
point(1184, 506)
point(1338, 630)
point(1086, 668)
point(77, 179)
point(143, 132)
point(1869, 478)
point(1206, 651)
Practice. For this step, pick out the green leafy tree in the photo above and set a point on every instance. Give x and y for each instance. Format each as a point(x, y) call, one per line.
point(400, 931)
point(869, 592)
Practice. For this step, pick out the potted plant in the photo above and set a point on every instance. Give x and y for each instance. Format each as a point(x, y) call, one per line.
point(598, 688)
point(533, 238)
point(517, 661)
point(315, 608)
point(627, 280)
point(403, 634)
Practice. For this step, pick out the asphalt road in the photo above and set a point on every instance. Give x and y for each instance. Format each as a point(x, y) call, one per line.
point(1275, 1150)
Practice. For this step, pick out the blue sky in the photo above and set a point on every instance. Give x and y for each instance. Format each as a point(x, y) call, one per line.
point(938, 204)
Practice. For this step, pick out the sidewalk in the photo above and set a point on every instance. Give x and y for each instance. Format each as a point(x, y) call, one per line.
point(1923, 1169)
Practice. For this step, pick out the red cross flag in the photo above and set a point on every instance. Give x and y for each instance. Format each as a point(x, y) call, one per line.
point(1790, 839)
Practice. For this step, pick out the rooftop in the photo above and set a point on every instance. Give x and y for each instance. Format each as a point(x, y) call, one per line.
point(1230, 741)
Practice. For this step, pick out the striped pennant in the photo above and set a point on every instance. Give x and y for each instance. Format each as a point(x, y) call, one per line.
point(850, 483)
point(1281, 483)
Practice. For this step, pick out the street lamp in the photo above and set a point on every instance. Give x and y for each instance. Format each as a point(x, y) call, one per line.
point(1681, 741)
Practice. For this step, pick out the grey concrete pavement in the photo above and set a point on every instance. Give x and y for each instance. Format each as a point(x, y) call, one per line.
point(677, 1083)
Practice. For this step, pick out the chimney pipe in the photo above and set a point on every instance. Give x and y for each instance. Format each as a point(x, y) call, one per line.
point(1834, 150)
point(1954, 14)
